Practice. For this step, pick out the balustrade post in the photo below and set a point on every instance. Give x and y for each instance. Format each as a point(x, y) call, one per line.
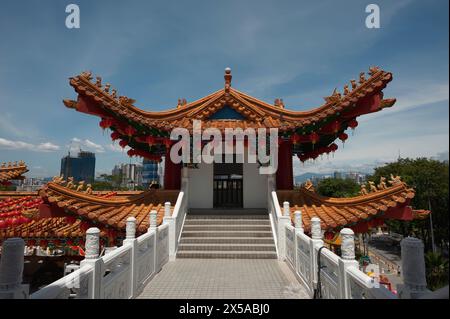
point(346, 261)
point(131, 228)
point(316, 243)
point(168, 219)
point(153, 222)
point(413, 269)
point(282, 222)
point(286, 209)
point(11, 270)
point(132, 242)
point(92, 254)
point(298, 221)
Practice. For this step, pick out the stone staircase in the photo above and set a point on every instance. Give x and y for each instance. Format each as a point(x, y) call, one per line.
point(243, 236)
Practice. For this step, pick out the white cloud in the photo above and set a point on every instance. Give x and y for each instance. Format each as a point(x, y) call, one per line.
point(117, 148)
point(76, 144)
point(20, 145)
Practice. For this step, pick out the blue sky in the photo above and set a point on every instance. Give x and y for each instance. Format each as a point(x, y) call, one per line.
point(157, 52)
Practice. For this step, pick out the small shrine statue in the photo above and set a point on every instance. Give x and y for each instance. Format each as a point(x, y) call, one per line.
point(88, 189)
point(80, 186)
point(70, 183)
point(373, 188)
point(382, 184)
point(309, 186)
point(395, 180)
point(363, 190)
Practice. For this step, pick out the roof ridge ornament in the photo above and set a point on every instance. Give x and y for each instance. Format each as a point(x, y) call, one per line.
point(227, 78)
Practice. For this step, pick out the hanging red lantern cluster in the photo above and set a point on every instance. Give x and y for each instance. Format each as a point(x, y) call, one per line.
point(19, 204)
point(316, 153)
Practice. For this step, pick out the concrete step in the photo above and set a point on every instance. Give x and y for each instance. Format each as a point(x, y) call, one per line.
point(215, 227)
point(226, 247)
point(227, 254)
point(225, 221)
point(227, 240)
point(225, 233)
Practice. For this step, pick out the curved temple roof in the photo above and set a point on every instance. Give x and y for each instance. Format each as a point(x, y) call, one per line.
point(12, 171)
point(256, 112)
point(336, 213)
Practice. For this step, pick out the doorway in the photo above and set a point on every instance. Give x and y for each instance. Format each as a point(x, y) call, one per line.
point(228, 185)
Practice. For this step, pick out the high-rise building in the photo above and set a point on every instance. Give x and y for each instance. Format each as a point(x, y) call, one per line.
point(150, 172)
point(81, 168)
point(130, 174)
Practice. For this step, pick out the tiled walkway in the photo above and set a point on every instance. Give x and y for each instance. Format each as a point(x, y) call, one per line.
point(224, 279)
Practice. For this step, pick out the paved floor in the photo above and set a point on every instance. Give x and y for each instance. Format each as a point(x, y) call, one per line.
point(225, 279)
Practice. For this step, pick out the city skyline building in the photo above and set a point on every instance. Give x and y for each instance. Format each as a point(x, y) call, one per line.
point(81, 167)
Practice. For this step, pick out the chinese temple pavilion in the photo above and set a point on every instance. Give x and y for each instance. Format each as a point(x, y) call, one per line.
point(63, 211)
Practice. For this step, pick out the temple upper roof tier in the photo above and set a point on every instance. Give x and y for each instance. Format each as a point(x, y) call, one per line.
point(360, 97)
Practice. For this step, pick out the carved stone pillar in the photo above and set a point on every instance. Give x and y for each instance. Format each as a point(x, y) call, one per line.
point(286, 209)
point(167, 210)
point(11, 270)
point(153, 221)
point(316, 230)
point(131, 228)
point(348, 244)
point(92, 243)
point(298, 221)
point(413, 269)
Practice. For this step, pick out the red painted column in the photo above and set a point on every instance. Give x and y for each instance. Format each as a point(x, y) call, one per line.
point(285, 178)
point(172, 174)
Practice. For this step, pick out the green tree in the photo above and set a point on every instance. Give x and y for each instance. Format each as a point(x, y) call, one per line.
point(337, 187)
point(437, 270)
point(429, 178)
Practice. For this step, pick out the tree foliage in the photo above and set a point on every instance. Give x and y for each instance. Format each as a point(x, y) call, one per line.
point(337, 187)
point(429, 178)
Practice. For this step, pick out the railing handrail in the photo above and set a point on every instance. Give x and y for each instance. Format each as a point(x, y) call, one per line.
point(276, 204)
point(177, 207)
point(52, 290)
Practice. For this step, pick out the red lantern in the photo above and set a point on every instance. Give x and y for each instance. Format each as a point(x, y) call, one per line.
point(3, 224)
point(69, 242)
point(130, 131)
point(123, 143)
point(335, 126)
point(43, 243)
point(131, 153)
point(57, 242)
point(295, 138)
point(314, 137)
point(115, 135)
point(31, 242)
point(353, 124)
point(343, 137)
point(106, 123)
point(333, 147)
point(329, 235)
point(150, 140)
point(167, 142)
